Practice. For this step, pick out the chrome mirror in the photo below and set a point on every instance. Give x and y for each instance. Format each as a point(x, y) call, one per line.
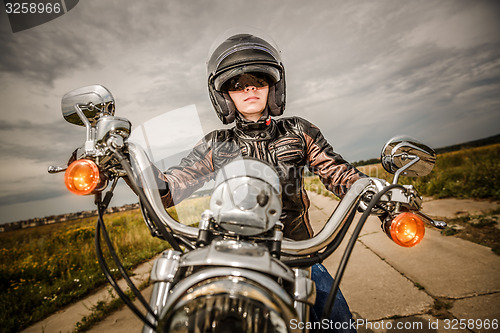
point(407, 156)
point(93, 101)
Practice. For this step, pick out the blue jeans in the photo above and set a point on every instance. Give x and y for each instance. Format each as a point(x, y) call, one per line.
point(340, 312)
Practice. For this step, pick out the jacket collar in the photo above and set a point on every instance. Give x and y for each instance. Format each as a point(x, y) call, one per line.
point(262, 129)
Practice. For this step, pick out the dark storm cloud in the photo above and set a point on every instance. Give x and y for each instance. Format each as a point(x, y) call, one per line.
point(39, 143)
point(32, 195)
point(430, 69)
point(59, 47)
point(362, 70)
point(43, 55)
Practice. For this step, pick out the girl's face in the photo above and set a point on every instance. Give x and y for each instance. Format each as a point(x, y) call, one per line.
point(250, 102)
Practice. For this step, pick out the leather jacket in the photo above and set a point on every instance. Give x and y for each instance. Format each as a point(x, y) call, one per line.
point(289, 144)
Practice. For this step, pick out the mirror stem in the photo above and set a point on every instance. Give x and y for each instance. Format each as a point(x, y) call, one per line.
point(89, 142)
point(398, 173)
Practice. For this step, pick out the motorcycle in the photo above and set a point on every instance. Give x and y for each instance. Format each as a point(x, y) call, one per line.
point(234, 271)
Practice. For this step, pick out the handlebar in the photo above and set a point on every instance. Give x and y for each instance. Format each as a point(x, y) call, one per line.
point(334, 224)
point(143, 173)
point(141, 167)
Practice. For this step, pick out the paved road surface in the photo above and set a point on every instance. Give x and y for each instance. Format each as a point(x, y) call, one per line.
point(386, 286)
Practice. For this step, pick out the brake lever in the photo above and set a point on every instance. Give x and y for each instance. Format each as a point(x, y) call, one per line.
point(429, 220)
point(57, 169)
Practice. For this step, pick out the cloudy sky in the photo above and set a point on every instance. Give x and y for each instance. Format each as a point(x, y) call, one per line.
point(363, 71)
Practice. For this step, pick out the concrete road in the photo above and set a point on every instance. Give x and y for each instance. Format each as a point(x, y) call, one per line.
point(393, 287)
point(445, 284)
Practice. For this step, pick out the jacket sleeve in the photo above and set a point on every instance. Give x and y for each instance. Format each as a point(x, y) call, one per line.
point(335, 173)
point(189, 175)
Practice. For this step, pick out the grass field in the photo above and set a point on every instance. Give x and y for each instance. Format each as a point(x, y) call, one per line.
point(43, 269)
point(468, 173)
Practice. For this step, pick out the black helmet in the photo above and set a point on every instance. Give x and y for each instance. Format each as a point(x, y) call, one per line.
point(239, 54)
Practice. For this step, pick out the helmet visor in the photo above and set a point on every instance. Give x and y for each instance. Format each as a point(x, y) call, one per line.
point(240, 82)
point(237, 79)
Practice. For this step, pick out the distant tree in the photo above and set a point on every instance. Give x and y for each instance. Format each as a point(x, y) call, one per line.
point(366, 162)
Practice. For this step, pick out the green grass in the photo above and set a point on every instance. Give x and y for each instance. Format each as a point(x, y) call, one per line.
point(468, 173)
point(481, 229)
point(102, 309)
point(45, 268)
point(313, 184)
point(449, 231)
point(189, 211)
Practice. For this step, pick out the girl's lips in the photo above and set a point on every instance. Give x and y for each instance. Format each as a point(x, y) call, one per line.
point(251, 98)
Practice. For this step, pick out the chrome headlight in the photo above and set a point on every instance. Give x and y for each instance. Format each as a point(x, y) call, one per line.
point(247, 197)
point(229, 303)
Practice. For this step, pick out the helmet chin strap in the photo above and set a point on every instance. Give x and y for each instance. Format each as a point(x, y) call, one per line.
point(260, 127)
point(264, 117)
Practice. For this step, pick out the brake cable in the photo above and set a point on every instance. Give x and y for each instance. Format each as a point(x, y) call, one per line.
point(104, 267)
point(101, 206)
point(167, 234)
point(330, 301)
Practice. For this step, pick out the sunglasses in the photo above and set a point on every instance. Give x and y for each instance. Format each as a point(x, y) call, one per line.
point(240, 82)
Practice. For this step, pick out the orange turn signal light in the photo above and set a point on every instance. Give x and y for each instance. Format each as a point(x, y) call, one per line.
point(82, 177)
point(407, 229)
